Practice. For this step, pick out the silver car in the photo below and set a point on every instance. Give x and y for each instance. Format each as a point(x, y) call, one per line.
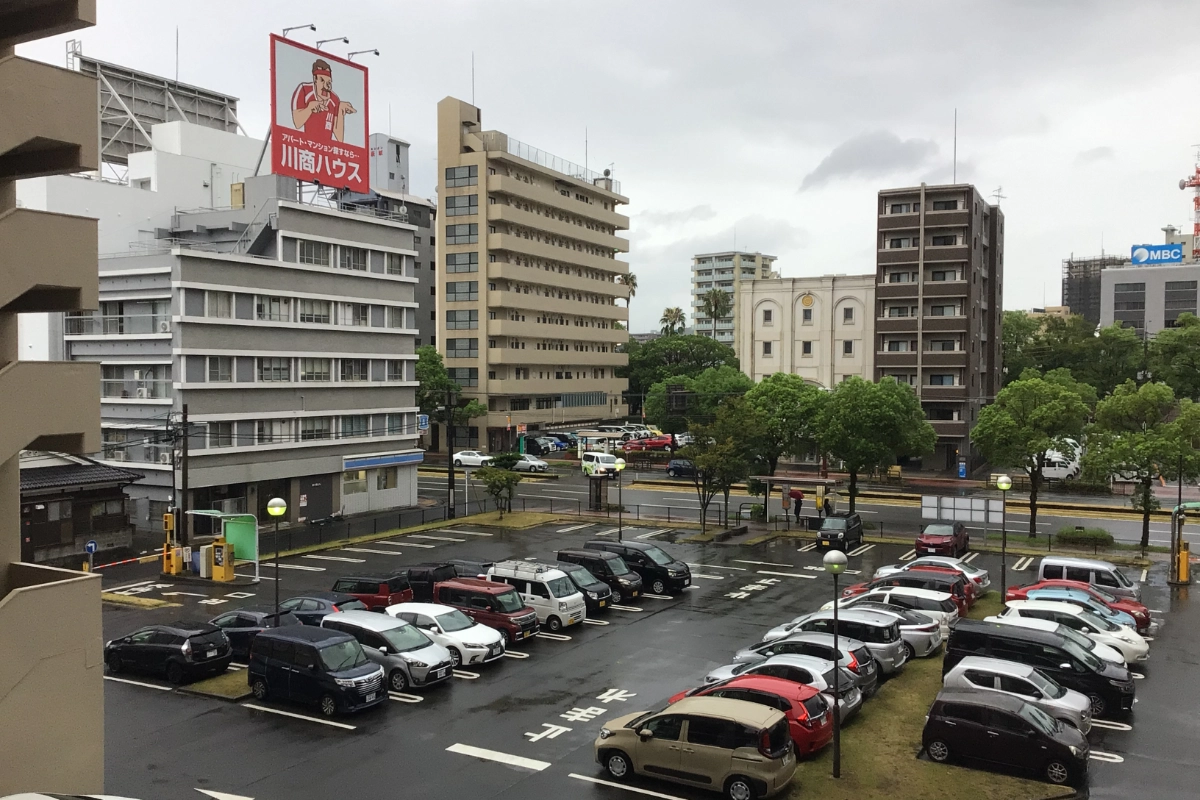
point(980, 576)
point(852, 654)
point(809, 670)
point(978, 674)
point(406, 653)
point(529, 463)
point(879, 631)
point(921, 631)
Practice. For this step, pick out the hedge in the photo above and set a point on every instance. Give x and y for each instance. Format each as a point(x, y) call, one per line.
point(1083, 536)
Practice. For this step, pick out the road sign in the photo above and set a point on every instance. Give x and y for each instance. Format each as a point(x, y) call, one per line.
point(522, 427)
point(422, 422)
point(91, 546)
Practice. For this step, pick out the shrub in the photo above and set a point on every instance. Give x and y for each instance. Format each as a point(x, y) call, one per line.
point(1083, 536)
point(505, 460)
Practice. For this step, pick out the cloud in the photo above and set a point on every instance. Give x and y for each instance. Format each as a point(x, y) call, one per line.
point(871, 155)
point(1087, 157)
point(665, 219)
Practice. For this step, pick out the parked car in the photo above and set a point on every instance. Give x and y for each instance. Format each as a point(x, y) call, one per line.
point(625, 433)
point(647, 443)
point(1023, 681)
point(468, 641)
point(530, 463)
point(471, 458)
point(842, 531)
point(809, 670)
point(311, 607)
point(599, 464)
point(1122, 638)
point(921, 632)
point(849, 653)
point(811, 727)
point(315, 666)
point(408, 656)
point(1005, 731)
point(610, 568)
point(496, 605)
point(542, 445)
point(952, 584)
point(879, 631)
point(243, 625)
point(423, 577)
point(741, 749)
point(1101, 651)
point(1101, 574)
point(660, 572)
point(939, 538)
point(978, 576)
point(940, 605)
point(596, 594)
point(470, 567)
point(376, 591)
point(1141, 615)
point(1082, 599)
point(680, 467)
point(569, 439)
point(548, 591)
point(179, 650)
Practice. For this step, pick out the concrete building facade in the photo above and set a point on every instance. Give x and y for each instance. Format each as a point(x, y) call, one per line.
point(729, 270)
point(52, 679)
point(820, 328)
point(528, 282)
point(1148, 299)
point(940, 272)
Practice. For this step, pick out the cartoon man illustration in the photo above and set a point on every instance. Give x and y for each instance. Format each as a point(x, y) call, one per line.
point(317, 110)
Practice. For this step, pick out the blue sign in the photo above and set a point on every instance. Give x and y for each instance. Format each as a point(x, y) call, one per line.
point(91, 546)
point(1157, 254)
point(422, 422)
point(962, 469)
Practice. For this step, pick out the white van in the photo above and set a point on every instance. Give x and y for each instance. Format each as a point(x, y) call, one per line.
point(1102, 574)
point(546, 590)
point(599, 464)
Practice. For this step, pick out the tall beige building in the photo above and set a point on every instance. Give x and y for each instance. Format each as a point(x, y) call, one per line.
point(730, 271)
point(51, 671)
point(528, 282)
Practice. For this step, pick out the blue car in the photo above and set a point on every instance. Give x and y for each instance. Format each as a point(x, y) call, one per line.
point(1085, 601)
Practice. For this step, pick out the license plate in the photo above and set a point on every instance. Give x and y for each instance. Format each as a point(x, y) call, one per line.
point(526, 634)
point(370, 697)
point(603, 603)
point(688, 582)
point(211, 654)
point(633, 594)
point(441, 673)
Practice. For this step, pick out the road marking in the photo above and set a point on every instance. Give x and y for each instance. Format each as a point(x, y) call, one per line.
point(129, 586)
point(1145, 572)
point(1137, 676)
point(806, 548)
point(466, 676)
point(715, 566)
point(408, 544)
point(369, 550)
point(253, 577)
point(909, 556)
point(304, 567)
point(737, 595)
point(1022, 564)
point(236, 664)
point(708, 577)
point(1112, 726)
point(138, 683)
point(337, 558)
point(969, 558)
point(858, 551)
point(555, 637)
point(236, 667)
point(401, 697)
point(624, 786)
point(787, 574)
point(652, 534)
point(576, 527)
point(764, 563)
point(1111, 758)
point(658, 596)
point(515, 654)
point(624, 608)
point(464, 533)
point(434, 538)
point(594, 622)
point(305, 717)
point(608, 532)
point(187, 594)
point(498, 757)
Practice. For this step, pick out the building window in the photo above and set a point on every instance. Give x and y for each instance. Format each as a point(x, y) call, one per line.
point(462, 291)
point(354, 481)
point(274, 369)
point(902, 242)
point(354, 426)
point(397, 425)
point(462, 348)
point(902, 208)
point(806, 349)
point(354, 258)
point(1129, 304)
point(466, 436)
point(464, 376)
point(1179, 297)
point(316, 311)
point(220, 434)
point(218, 304)
point(313, 253)
point(944, 241)
point(462, 320)
point(395, 264)
point(848, 315)
point(848, 347)
point(395, 370)
point(462, 262)
point(315, 428)
point(943, 414)
point(945, 205)
point(220, 369)
point(519, 405)
point(943, 345)
point(275, 430)
point(354, 369)
point(314, 369)
point(358, 314)
point(941, 380)
point(767, 316)
point(396, 317)
point(462, 205)
point(944, 275)
point(385, 478)
point(943, 311)
point(274, 309)
point(462, 234)
point(806, 316)
point(462, 176)
point(766, 350)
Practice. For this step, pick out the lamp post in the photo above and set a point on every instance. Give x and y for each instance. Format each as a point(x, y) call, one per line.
point(276, 507)
point(620, 466)
point(835, 564)
point(1003, 483)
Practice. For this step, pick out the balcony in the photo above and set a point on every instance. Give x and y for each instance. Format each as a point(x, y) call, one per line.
point(118, 325)
point(515, 272)
point(901, 255)
point(502, 184)
point(955, 252)
point(517, 244)
point(534, 302)
point(957, 324)
point(888, 359)
point(134, 390)
point(896, 325)
point(54, 405)
point(945, 358)
point(508, 327)
point(57, 131)
point(896, 291)
point(550, 386)
point(500, 144)
point(568, 359)
point(59, 278)
point(931, 393)
point(899, 222)
point(497, 212)
point(949, 428)
point(938, 219)
point(946, 289)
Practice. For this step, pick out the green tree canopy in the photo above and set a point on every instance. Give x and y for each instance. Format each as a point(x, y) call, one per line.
point(1018, 334)
point(433, 381)
point(723, 451)
point(673, 321)
point(500, 485)
point(699, 399)
point(670, 356)
point(1175, 357)
point(789, 410)
point(1103, 358)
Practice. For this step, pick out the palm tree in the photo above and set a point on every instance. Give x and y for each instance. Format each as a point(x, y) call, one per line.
point(630, 280)
point(716, 304)
point(673, 321)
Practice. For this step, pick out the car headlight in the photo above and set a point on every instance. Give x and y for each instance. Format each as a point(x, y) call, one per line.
point(1074, 750)
point(674, 573)
point(841, 536)
point(344, 682)
point(562, 606)
point(412, 662)
point(1118, 684)
point(593, 595)
point(605, 733)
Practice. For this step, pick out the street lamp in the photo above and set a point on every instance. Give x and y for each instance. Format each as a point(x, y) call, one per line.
point(276, 507)
point(620, 467)
point(835, 564)
point(1003, 483)
point(286, 31)
point(343, 39)
point(350, 56)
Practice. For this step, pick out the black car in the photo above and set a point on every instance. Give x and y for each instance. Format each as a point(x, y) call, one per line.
point(180, 650)
point(1006, 731)
point(316, 666)
point(422, 577)
point(310, 608)
point(540, 446)
point(596, 594)
point(1108, 686)
point(680, 468)
point(470, 567)
point(570, 439)
point(610, 568)
point(659, 572)
point(243, 625)
point(840, 532)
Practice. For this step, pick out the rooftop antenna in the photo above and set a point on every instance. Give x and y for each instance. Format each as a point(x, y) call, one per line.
point(342, 39)
point(472, 77)
point(954, 170)
point(998, 196)
point(585, 152)
point(177, 55)
point(286, 31)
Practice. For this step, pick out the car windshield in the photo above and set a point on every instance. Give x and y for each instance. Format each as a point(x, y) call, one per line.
point(509, 602)
point(617, 565)
point(561, 587)
point(343, 655)
point(740, 668)
point(406, 638)
point(939, 530)
point(584, 578)
point(834, 524)
point(1088, 659)
point(1080, 641)
point(1097, 622)
point(658, 556)
point(454, 620)
point(352, 605)
point(1038, 718)
point(1046, 686)
point(1105, 596)
point(1121, 579)
point(636, 722)
point(604, 458)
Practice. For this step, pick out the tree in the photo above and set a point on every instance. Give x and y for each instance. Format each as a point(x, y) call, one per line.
point(1019, 335)
point(1032, 416)
point(668, 356)
point(673, 321)
point(500, 485)
point(629, 280)
point(1103, 358)
point(716, 304)
point(698, 400)
point(722, 452)
point(789, 409)
point(1117, 355)
point(1175, 357)
point(433, 381)
point(867, 425)
point(505, 460)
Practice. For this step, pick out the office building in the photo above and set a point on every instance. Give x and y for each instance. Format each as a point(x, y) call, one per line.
point(1061, 312)
point(528, 282)
point(1081, 283)
point(821, 328)
point(1148, 299)
point(52, 683)
point(729, 270)
point(940, 279)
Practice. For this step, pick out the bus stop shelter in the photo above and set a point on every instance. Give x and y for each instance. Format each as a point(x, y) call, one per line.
point(241, 531)
point(813, 487)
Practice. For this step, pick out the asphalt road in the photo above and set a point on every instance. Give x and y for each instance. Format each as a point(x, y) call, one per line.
point(539, 715)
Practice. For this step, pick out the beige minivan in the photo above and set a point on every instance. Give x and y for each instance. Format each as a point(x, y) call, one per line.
point(743, 750)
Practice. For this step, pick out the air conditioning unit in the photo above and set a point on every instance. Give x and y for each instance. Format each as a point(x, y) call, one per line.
point(116, 455)
point(137, 374)
point(164, 326)
point(143, 393)
point(164, 458)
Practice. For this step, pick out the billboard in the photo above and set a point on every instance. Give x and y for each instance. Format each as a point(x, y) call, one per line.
point(1156, 254)
point(319, 117)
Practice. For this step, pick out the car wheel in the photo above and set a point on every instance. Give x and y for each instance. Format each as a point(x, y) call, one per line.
point(670, 473)
point(455, 657)
point(259, 689)
point(554, 624)
point(617, 764)
point(909, 653)
point(458, 462)
point(114, 663)
point(328, 705)
point(397, 681)
point(616, 595)
point(1057, 772)
point(504, 637)
point(658, 587)
point(1098, 705)
point(739, 787)
point(938, 750)
point(174, 673)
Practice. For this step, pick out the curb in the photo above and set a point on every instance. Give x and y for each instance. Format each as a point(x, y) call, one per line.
point(135, 602)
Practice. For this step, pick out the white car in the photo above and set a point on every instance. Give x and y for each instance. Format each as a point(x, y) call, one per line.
point(468, 641)
point(979, 576)
point(471, 458)
point(1101, 651)
point(939, 605)
point(1122, 638)
point(529, 463)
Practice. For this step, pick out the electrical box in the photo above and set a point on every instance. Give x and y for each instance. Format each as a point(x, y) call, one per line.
point(206, 561)
point(168, 522)
point(222, 560)
point(237, 195)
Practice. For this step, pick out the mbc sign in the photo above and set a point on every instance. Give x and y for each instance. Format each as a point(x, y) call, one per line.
point(1157, 254)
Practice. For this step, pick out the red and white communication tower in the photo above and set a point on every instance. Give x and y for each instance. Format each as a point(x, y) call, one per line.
point(1194, 182)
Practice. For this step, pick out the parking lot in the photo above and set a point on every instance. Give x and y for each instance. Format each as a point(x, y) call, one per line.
point(524, 725)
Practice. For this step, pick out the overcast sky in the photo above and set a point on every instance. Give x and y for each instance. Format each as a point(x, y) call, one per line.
point(772, 124)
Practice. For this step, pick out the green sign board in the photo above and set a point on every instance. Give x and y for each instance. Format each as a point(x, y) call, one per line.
point(242, 533)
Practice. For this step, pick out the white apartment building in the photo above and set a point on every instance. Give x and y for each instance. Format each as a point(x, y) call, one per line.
point(729, 271)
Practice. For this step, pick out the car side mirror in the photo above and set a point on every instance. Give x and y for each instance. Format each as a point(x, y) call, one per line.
point(383, 650)
point(645, 734)
point(1064, 666)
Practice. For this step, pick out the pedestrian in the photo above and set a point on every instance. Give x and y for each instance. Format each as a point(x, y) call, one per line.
point(797, 496)
point(828, 506)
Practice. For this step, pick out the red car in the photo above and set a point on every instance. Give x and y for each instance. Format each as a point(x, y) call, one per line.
point(651, 443)
point(936, 579)
point(810, 725)
point(1133, 608)
point(943, 540)
point(376, 591)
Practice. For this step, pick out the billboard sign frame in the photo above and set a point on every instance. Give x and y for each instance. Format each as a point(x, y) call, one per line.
point(1151, 254)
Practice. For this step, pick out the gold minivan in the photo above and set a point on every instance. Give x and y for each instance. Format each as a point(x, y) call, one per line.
point(743, 750)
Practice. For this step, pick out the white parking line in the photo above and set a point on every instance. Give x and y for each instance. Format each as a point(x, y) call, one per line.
point(138, 683)
point(716, 566)
point(576, 527)
point(1137, 676)
point(464, 533)
point(858, 551)
point(129, 586)
point(626, 787)
point(498, 757)
point(608, 532)
point(1022, 564)
point(304, 567)
point(515, 654)
point(236, 664)
point(401, 697)
point(554, 637)
point(370, 550)
point(304, 717)
point(252, 577)
point(466, 676)
point(594, 622)
point(1145, 572)
point(909, 556)
point(652, 534)
point(764, 563)
point(433, 538)
point(407, 543)
point(806, 548)
point(1111, 758)
point(624, 608)
point(787, 574)
point(708, 577)
point(337, 558)
point(969, 558)
point(658, 596)
point(1112, 726)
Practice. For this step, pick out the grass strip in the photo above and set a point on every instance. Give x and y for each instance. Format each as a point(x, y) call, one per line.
point(229, 685)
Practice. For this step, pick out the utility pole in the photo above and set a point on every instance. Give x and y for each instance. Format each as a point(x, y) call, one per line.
point(450, 451)
point(183, 482)
point(173, 536)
